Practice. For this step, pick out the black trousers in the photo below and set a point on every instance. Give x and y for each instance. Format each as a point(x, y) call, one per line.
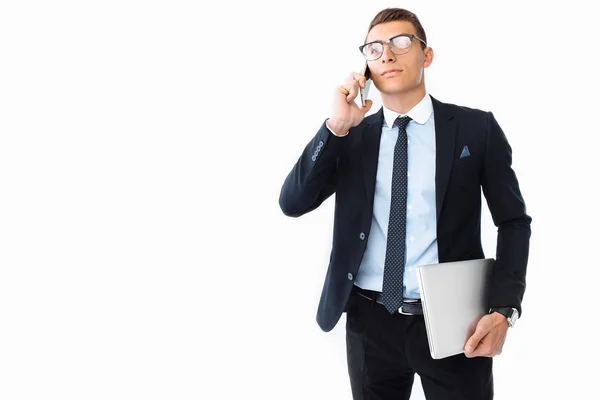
point(386, 350)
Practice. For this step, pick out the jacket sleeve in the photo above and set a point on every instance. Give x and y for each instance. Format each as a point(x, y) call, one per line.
point(313, 178)
point(507, 207)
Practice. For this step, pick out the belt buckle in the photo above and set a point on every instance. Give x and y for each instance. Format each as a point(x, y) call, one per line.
point(403, 312)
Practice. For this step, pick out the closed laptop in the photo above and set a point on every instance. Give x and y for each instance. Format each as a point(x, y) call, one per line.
point(454, 296)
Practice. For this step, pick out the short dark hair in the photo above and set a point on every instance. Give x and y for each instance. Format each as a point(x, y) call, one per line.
point(399, 14)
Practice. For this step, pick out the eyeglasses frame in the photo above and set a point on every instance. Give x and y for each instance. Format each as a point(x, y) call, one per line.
point(389, 41)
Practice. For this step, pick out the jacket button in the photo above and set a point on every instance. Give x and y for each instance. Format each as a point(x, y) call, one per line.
point(350, 276)
point(362, 236)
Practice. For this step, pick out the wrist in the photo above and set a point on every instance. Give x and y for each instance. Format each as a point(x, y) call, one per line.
point(499, 318)
point(510, 314)
point(337, 127)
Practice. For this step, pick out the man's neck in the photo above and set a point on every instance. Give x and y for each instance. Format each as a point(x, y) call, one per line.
point(403, 102)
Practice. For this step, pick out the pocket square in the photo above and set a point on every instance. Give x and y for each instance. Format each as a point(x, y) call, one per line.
point(465, 152)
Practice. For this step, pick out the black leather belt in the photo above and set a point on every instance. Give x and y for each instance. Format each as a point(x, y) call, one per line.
point(410, 307)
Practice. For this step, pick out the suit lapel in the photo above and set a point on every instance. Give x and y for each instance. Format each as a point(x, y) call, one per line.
point(445, 138)
point(371, 138)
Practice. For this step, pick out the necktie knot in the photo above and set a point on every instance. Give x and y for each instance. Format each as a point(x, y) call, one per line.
point(402, 122)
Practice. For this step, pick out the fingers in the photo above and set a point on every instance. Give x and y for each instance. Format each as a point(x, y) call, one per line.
point(359, 78)
point(350, 90)
point(352, 86)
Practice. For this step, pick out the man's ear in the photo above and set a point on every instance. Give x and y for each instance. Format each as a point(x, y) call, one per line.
point(428, 57)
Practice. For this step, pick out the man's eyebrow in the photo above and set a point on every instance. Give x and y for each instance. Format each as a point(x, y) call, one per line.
point(397, 34)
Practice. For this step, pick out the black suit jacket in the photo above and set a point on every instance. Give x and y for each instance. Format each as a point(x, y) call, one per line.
point(347, 166)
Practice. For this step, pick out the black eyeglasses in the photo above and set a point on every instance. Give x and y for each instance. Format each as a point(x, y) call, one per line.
point(399, 44)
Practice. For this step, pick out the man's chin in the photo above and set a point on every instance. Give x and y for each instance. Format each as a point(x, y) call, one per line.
point(396, 90)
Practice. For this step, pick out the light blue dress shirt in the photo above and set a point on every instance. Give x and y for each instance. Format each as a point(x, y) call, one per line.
point(421, 228)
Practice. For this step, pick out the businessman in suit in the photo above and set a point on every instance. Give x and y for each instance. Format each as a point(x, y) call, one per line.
point(407, 183)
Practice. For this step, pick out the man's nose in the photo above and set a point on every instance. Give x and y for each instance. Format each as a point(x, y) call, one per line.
point(387, 55)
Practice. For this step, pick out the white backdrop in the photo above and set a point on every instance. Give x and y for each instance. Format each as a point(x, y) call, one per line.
point(142, 149)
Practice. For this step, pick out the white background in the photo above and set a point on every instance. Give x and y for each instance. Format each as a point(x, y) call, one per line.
point(143, 145)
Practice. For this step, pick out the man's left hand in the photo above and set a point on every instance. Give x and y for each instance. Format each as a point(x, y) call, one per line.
point(489, 336)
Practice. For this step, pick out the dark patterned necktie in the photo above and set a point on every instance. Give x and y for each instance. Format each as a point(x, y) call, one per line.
point(393, 273)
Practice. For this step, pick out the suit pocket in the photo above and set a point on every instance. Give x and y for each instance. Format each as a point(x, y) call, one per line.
point(465, 172)
point(465, 160)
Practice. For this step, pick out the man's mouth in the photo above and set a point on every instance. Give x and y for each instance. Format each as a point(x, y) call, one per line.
point(392, 72)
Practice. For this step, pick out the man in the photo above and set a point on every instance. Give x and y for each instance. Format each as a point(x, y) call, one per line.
point(408, 183)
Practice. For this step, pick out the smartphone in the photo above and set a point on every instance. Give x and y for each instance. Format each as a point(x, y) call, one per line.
point(364, 92)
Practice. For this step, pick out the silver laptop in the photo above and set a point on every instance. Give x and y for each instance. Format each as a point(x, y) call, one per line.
point(454, 297)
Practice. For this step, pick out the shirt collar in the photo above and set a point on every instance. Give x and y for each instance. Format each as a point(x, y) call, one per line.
point(420, 113)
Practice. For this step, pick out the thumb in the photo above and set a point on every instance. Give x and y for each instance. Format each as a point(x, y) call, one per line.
point(367, 107)
point(473, 341)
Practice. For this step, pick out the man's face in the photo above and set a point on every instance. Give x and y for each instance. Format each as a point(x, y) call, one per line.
point(396, 74)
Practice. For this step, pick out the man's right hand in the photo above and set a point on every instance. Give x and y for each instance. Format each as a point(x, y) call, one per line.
point(346, 113)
